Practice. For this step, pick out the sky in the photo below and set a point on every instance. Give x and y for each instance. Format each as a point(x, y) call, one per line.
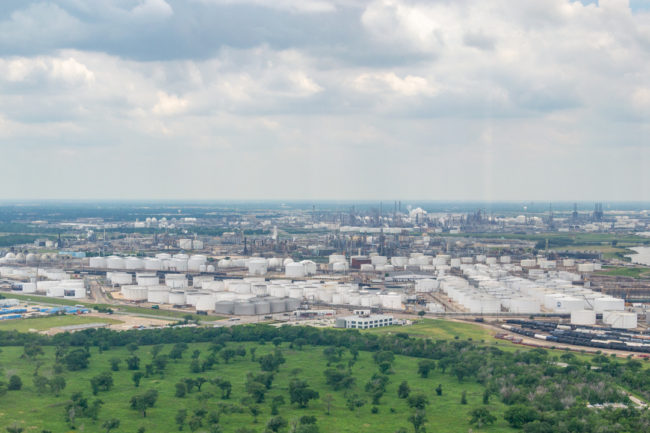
point(325, 99)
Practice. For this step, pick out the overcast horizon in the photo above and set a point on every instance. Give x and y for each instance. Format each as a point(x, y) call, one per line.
point(341, 100)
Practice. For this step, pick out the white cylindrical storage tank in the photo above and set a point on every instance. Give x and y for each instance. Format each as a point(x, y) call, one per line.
point(178, 264)
point(238, 286)
point(119, 278)
point(296, 292)
point(262, 307)
point(608, 303)
point(568, 304)
point(224, 264)
point(177, 297)
point(455, 263)
point(29, 287)
point(194, 265)
point(294, 270)
point(214, 286)
point(134, 293)
point(392, 301)
point(114, 262)
point(133, 263)
point(278, 306)
point(286, 261)
point(151, 264)
point(337, 258)
point(339, 267)
point(378, 260)
point(585, 267)
point(623, 320)
point(210, 268)
point(147, 280)
point(275, 263)
point(163, 256)
point(259, 289)
point(366, 267)
point(524, 306)
point(583, 317)
point(224, 307)
point(310, 267)
point(158, 295)
point(257, 266)
point(568, 263)
point(244, 308)
point(205, 302)
point(55, 291)
point(97, 262)
point(399, 261)
point(425, 285)
point(176, 281)
point(505, 259)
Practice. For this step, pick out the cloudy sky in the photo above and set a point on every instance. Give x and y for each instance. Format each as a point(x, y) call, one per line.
point(325, 99)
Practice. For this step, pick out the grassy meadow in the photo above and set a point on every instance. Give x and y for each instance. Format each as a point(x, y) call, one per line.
point(37, 412)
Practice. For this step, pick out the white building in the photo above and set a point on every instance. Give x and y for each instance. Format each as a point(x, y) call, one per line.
point(364, 322)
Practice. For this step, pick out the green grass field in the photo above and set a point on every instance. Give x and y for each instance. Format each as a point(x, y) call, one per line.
point(44, 323)
point(36, 412)
point(438, 329)
point(636, 272)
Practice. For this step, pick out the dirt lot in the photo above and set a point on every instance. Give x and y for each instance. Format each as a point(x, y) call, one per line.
point(130, 322)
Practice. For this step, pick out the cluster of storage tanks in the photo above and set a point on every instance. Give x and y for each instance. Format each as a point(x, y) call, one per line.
point(256, 266)
point(206, 294)
point(30, 258)
point(58, 282)
point(161, 262)
point(544, 263)
point(492, 289)
point(414, 262)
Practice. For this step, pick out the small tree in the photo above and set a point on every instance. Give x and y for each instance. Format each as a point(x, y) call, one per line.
point(15, 428)
point(133, 363)
point(115, 364)
point(463, 398)
point(57, 384)
point(76, 359)
point(136, 378)
point(518, 415)
point(181, 390)
point(15, 383)
point(418, 419)
point(180, 418)
point(439, 390)
point(300, 392)
point(142, 402)
point(276, 423)
point(418, 401)
point(101, 382)
point(481, 416)
point(425, 366)
point(404, 390)
point(111, 424)
point(276, 402)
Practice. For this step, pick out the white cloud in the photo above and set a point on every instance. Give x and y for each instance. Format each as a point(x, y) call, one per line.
point(422, 90)
point(153, 9)
point(379, 83)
